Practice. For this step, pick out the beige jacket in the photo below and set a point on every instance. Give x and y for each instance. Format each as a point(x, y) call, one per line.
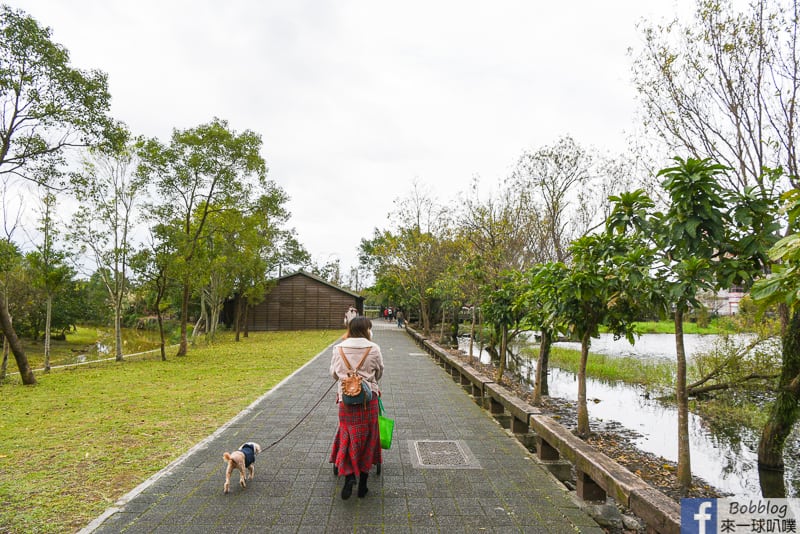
point(371, 370)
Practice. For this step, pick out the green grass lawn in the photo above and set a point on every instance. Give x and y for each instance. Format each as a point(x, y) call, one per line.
point(81, 438)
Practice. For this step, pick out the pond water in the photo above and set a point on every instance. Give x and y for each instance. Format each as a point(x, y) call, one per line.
point(724, 457)
point(647, 345)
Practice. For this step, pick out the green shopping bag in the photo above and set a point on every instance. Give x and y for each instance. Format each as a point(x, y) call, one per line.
point(386, 427)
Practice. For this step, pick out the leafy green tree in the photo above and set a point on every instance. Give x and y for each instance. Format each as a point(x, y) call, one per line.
point(502, 313)
point(407, 265)
point(330, 271)
point(203, 169)
point(48, 106)
point(409, 260)
point(539, 300)
point(242, 246)
point(152, 264)
point(108, 191)
point(724, 86)
point(493, 236)
point(9, 254)
point(607, 284)
point(447, 291)
point(692, 235)
point(94, 295)
point(781, 287)
point(702, 243)
point(461, 285)
point(267, 245)
point(214, 279)
point(51, 272)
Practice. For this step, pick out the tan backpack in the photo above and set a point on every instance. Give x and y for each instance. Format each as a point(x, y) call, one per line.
point(354, 388)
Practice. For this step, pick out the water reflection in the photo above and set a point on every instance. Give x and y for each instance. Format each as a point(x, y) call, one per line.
point(726, 459)
point(651, 345)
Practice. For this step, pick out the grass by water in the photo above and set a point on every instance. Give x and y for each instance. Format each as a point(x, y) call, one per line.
point(83, 437)
point(652, 373)
point(717, 325)
point(725, 410)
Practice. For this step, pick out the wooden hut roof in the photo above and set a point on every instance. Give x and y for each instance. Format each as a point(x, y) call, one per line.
point(321, 281)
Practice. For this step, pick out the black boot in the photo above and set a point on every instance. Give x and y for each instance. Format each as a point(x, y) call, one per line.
point(362, 484)
point(347, 490)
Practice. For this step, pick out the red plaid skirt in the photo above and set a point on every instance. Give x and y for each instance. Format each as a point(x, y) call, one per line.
point(357, 444)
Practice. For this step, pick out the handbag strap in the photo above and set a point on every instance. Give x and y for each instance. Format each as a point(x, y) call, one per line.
point(380, 404)
point(347, 363)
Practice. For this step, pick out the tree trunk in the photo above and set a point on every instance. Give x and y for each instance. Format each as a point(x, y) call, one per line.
point(684, 472)
point(546, 365)
point(441, 328)
point(199, 325)
point(47, 321)
point(202, 320)
point(215, 309)
point(472, 332)
point(501, 368)
point(237, 313)
point(426, 320)
point(246, 317)
point(6, 348)
point(785, 410)
point(540, 384)
point(482, 344)
point(160, 319)
point(161, 331)
point(25, 371)
point(184, 343)
point(773, 486)
point(4, 365)
point(454, 326)
point(583, 410)
point(118, 332)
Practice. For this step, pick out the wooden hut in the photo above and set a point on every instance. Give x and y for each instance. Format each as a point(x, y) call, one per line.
point(302, 301)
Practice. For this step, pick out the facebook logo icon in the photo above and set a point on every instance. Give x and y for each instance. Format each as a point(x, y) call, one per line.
point(698, 516)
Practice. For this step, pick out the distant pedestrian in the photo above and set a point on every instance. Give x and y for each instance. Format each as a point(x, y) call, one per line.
point(386, 314)
point(400, 319)
point(357, 444)
point(349, 315)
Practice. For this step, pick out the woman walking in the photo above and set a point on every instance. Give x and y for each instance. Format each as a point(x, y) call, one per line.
point(357, 444)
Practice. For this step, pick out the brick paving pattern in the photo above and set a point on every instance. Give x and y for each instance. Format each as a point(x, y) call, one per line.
point(295, 489)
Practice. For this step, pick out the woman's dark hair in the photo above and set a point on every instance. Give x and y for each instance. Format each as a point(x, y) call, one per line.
point(359, 327)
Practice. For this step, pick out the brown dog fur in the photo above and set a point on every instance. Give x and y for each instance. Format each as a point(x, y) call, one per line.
point(236, 460)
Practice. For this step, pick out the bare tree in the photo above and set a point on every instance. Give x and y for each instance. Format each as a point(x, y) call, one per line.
point(725, 86)
point(547, 183)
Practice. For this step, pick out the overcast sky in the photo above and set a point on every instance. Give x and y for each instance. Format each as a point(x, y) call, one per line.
point(356, 99)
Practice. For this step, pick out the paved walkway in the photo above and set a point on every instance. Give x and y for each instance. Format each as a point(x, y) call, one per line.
point(491, 484)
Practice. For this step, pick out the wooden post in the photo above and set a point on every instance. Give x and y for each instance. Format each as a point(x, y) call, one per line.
point(587, 489)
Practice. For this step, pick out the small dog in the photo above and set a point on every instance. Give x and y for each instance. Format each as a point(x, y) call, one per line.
point(241, 460)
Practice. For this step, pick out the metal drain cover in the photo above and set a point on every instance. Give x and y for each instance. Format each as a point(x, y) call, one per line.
point(442, 455)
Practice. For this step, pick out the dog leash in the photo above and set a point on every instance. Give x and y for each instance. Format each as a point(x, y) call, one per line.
point(301, 419)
